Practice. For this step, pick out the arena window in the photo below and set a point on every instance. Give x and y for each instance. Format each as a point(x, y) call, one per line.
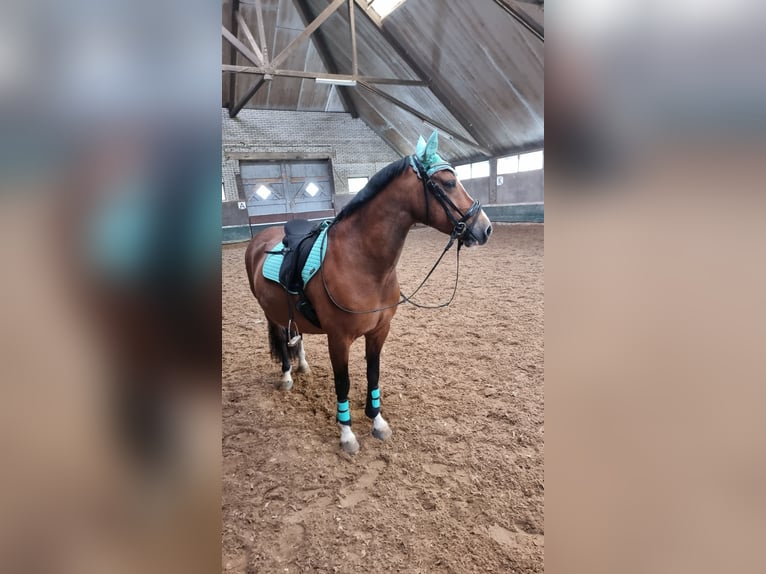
point(508, 164)
point(384, 7)
point(355, 184)
point(531, 161)
point(472, 170)
point(463, 171)
point(312, 189)
point(480, 169)
point(263, 192)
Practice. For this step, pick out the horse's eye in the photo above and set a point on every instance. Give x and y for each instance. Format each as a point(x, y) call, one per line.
point(450, 184)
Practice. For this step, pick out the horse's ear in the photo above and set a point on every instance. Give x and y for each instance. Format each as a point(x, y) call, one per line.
point(420, 149)
point(433, 144)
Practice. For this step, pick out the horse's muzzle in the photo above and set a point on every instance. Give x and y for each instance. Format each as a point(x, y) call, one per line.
point(479, 231)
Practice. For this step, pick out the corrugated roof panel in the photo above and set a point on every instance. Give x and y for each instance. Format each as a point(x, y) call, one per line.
point(483, 61)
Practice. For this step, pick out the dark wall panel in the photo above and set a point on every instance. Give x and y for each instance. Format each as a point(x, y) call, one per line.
point(524, 187)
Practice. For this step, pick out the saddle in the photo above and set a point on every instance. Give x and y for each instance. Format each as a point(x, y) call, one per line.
point(300, 236)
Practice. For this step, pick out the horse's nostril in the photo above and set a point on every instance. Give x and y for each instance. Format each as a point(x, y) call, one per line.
point(489, 231)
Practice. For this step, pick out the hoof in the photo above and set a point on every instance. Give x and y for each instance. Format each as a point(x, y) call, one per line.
point(306, 370)
point(285, 385)
point(351, 447)
point(382, 433)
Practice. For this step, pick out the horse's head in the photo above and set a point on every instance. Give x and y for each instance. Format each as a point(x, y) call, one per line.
point(451, 208)
point(448, 206)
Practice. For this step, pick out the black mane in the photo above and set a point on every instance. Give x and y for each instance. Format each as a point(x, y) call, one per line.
point(373, 187)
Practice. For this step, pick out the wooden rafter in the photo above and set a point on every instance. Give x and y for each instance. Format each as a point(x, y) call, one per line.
point(303, 36)
point(239, 46)
point(324, 54)
point(406, 107)
point(233, 54)
point(371, 14)
point(267, 69)
point(283, 55)
point(320, 75)
point(261, 32)
point(249, 95)
point(250, 40)
point(352, 25)
point(261, 53)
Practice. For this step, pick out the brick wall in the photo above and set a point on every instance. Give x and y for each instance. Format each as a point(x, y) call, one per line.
point(353, 148)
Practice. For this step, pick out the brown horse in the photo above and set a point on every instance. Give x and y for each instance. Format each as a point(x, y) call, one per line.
point(357, 292)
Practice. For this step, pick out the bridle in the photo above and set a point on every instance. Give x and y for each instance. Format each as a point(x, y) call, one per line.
point(459, 226)
point(459, 230)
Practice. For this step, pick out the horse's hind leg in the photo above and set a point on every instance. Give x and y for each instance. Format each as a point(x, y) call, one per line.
point(282, 353)
point(339, 357)
point(303, 365)
point(373, 345)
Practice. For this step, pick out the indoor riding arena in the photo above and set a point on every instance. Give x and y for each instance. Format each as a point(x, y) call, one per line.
point(318, 97)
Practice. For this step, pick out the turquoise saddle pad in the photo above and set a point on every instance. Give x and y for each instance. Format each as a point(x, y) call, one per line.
point(313, 263)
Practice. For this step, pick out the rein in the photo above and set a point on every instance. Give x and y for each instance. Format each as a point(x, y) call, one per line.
point(458, 232)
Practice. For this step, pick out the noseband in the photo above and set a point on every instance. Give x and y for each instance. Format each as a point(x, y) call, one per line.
point(459, 226)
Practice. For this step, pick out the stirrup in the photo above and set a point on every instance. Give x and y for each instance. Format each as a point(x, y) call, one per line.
point(294, 340)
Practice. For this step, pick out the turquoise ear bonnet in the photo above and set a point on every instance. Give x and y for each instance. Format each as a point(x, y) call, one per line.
point(426, 153)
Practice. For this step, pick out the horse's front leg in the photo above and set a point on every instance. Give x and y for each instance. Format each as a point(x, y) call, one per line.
point(339, 348)
point(373, 345)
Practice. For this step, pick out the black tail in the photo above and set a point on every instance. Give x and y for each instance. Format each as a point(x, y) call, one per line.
point(278, 343)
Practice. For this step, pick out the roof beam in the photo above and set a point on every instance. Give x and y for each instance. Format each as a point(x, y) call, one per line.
point(513, 150)
point(232, 53)
point(527, 147)
point(240, 47)
point(352, 25)
point(261, 32)
point(523, 18)
point(424, 117)
point(441, 95)
point(315, 75)
point(371, 14)
point(234, 108)
point(262, 54)
point(249, 95)
point(250, 40)
point(303, 36)
point(324, 54)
